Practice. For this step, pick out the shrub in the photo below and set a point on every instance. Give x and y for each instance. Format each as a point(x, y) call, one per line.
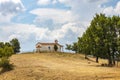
point(5, 53)
point(4, 63)
point(55, 47)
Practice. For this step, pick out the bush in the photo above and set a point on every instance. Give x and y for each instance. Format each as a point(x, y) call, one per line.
point(4, 63)
point(55, 47)
point(7, 51)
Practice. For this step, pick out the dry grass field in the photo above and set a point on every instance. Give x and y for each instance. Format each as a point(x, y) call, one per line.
point(58, 66)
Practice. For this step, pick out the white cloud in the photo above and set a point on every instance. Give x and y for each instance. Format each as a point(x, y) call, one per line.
point(117, 8)
point(109, 10)
point(112, 10)
point(15, 1)
point(9, 8)
point(25, 33)
point(76, 19)
point(44, 2)
point(57, 15)
point(84, 9)
point(73, 21)
point(22, 31)
point(5, 19)
point(98, 1)
point(47, 2)
point(73, 27)
point(80, 10)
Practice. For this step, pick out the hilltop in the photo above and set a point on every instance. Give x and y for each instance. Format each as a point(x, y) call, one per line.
point(58, 66)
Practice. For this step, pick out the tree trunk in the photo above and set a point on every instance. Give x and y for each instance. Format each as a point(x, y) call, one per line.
point(109, 59)
point(86, 56)
point(97, 59)
point(113, 58)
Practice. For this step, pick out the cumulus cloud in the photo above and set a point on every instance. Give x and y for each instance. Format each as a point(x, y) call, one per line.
point(44, 2)
point(9, 8)
point(47, 2)
point(73, 20)
point(84, 9)
point(94, 1)
point(26, 33)
point(112, 10)
point(56, 15)
point(109, 10)
point(4, 19)
point(22, 31)
point(117, 8)
point(63, 32)
point(79, 11)
point(15, 1)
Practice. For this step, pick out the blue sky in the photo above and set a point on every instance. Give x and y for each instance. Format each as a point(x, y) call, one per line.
point(46, 20)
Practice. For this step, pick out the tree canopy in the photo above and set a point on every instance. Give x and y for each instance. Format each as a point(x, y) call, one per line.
point(15, 44)
point(101, 39)
point(6, 50)
point(55, 47)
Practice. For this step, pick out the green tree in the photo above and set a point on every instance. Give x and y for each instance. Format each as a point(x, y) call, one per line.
point(15, 44)
point(55, 47)
point(98, 30)
point(1, 44)
point(7, 44)
point(75, 47)
point(101, 38)
point(6, 50)
point(1, 52)
point(5, 53)
point(68, 47)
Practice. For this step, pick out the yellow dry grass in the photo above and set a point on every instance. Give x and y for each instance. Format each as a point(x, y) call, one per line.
point(58, 66)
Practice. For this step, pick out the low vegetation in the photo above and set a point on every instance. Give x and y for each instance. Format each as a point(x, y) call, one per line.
point(7, 49)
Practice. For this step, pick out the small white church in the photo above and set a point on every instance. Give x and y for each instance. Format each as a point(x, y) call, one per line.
point(48, 47)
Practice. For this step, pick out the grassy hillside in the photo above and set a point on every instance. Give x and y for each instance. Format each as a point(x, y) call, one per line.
point(58, 66)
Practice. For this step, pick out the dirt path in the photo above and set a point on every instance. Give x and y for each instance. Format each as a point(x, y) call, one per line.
point(54, 67)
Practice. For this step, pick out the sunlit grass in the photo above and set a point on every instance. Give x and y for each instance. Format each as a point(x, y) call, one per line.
point(58, 66)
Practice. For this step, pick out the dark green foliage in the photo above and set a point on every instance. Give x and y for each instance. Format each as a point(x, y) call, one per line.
point(75, 47)
point(15, 44)
point(1, 52)
point(118, 43)
point(55, 47)
point(68, 47)
point(1, 44)
point(5, 53)
point(7, 44)
point(5, 64)
point(6, 50)
point(101, 39)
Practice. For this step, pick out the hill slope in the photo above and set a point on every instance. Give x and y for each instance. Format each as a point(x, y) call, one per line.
point(57, 66)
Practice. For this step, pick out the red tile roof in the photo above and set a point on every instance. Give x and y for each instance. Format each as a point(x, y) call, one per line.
point(48, 44)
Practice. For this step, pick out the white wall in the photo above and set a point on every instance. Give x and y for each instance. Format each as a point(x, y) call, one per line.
point(46, 48)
